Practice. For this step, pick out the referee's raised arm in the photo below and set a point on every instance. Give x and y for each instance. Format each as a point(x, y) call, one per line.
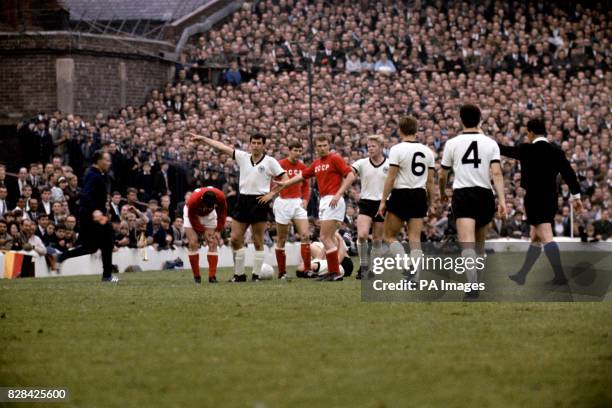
point(215, 144)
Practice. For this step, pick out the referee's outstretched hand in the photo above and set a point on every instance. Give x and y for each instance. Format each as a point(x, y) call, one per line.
point(577, 204)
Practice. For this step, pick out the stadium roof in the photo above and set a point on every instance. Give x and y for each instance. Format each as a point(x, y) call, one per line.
point(110, 10)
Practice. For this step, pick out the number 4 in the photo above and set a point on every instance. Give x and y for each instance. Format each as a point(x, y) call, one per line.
point(472, 149)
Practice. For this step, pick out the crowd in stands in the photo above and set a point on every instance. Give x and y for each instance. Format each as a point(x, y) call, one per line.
point(368, 64)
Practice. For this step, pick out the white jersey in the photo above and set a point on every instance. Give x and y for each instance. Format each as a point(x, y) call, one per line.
point(414, 159)
point(470, 156)
point(255, 178)
point(372, 177)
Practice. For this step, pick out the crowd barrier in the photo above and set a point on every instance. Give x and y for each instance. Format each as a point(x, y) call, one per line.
point(126, 257)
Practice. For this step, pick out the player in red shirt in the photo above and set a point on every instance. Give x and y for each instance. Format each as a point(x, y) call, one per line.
point(291, 207)
point(204, 213)
point(334, 177)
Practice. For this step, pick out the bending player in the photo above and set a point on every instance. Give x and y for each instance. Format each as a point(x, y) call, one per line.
point(411, 185)
point(475, 160)
point(204, 213)
point(334, 176)
point(319, 262)
point(256, 173)
point(373, 171)
point(291, 207)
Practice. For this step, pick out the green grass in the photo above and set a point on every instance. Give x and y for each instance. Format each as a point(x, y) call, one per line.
point(157, 340)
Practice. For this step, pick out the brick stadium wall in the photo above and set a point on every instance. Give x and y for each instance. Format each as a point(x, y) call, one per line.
point(109, 73)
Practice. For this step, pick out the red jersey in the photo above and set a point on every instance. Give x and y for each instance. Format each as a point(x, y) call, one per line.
point(329, 170)
point(300, 190)
point(195, 208)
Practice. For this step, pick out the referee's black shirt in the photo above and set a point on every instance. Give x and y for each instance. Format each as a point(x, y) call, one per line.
point(541, 163)
point(93, 195)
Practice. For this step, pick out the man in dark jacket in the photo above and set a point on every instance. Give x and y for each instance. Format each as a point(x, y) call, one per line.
point(96, 230)
point(541, 163)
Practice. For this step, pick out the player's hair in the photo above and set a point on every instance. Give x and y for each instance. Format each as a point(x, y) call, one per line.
point(258, 136)
point(115, 193)
point(97, 156)
point(378, 138)
point(470, 115)
point(321, 138)
point(295, 145)
point(132, 190)
point(536, 126)
point(408, 125)
point(209, 199)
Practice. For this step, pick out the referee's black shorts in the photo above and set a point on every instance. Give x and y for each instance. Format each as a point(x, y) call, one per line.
point(540, 210)
point(370, 208)
point(474, 202)
point(408, 203)
point(249, 211)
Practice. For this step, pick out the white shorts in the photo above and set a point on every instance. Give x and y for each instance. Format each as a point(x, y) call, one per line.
point(209, 221)
point(326, 213)
point(287, 209)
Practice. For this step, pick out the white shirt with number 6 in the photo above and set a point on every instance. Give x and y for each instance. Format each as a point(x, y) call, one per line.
point(413, 159)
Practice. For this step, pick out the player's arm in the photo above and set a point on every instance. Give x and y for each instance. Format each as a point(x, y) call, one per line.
point(430, 186)
point(389, 183)
point(275, 190)
point(221, 209)
point(442, 180)
point(446, 164)
point(569, 176)
point(498, 184)
point(305, 193)
point(191, 212)
point(215, 144)
point(298, 178)
point(349, 177)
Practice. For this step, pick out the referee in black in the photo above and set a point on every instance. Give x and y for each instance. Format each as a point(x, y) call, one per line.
point(541, 163)
point(95, 229)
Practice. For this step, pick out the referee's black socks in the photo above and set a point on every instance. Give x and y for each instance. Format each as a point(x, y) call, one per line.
point(533, 253)
point(554, 257)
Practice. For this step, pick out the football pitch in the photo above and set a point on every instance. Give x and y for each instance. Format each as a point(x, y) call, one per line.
point(158, 340)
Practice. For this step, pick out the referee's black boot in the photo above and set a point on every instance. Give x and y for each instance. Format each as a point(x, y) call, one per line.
point(519, 278)
point(197, 279)
point(212, 279)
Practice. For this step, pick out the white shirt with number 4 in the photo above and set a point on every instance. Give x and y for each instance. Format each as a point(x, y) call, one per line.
point(470, 156)
point(255, 178)
point(413, 159)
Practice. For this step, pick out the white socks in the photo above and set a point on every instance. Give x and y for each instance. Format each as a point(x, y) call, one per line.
point(471, 274)
point(239, 256)
point(258, 259)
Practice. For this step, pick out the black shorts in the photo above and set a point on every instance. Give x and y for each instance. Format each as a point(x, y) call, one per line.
point(474, 202)
point(249, 211)
point(408, 203)
point(540, 211)
point(370, 208)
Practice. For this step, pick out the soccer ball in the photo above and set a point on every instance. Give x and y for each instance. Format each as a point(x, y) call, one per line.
point(267, 272)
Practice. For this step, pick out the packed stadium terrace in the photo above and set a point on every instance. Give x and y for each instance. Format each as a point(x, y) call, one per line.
point(371, 63)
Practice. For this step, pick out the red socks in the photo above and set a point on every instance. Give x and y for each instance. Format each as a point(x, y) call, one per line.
point(194, 260)
point(305, 252)
point(212, 258)
point(281, 260)
point(333, 266)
